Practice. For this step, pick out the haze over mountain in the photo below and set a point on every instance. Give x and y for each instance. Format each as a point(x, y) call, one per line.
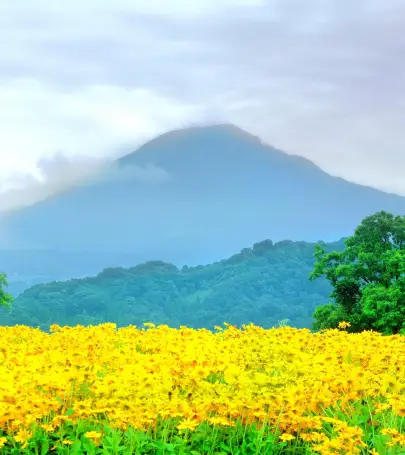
point(194, 196)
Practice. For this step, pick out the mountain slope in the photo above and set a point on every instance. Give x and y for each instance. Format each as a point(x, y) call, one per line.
point(263, 284)
point(195, 196)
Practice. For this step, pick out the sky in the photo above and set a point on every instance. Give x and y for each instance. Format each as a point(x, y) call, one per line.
point(85, 81)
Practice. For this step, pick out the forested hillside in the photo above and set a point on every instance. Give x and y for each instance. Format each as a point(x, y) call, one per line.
point(26, 268)
point(263, 284)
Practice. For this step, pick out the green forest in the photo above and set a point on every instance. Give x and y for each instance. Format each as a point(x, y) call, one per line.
point(263, 284)
point(358, 281)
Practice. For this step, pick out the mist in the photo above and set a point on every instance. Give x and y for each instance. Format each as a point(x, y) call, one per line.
point(60, 173)
point(54, 175)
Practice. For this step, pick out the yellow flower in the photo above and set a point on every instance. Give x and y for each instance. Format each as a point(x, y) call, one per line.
point(188, 424)
point(221, 421)
point(47, 427)
point(23, 435)
point(344, 324)
point(3, 441)
point(129, 376)
point(287, 437)
point(93, 435)
point(55, 328)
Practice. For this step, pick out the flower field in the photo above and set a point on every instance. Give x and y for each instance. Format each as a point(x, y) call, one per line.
point(160, 390)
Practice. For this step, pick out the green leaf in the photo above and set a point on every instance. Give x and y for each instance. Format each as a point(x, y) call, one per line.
point(76, 448)
point(45, 447)
point(379, 443)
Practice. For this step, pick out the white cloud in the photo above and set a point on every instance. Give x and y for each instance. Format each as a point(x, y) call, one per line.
point(52, 176)
point(94, 121)
point(56, 174)
point(91, 79)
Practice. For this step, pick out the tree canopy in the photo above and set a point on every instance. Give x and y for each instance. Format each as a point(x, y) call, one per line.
point(5, 297)
point(368, 277)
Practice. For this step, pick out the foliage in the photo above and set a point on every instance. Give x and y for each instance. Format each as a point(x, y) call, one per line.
point(28, 267)
point(5, 297)
point(368, 277)
point(328, 316)
point(263, 284)
point(159, 390)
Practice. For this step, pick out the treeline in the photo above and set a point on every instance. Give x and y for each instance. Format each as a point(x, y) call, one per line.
point(27, 268)
point(263, 284)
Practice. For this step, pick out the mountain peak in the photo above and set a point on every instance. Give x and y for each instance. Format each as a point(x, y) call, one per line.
point(224, 147)
point(199, 192)
point(219, 128)
point(189, 137)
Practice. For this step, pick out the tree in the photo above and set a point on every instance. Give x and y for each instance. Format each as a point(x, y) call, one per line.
point(5, 298)
point(328, 316)
point(368, 277)
point(385, 304)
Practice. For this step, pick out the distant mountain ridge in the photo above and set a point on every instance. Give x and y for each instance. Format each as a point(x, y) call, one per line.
point(195, 196)
point(263, 284)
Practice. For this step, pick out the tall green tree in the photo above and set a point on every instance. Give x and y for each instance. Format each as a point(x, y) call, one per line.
point(368, 277)
point(5, 297)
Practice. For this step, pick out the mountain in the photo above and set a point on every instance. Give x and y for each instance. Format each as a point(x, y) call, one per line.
point(195, 196)
point(263, 284)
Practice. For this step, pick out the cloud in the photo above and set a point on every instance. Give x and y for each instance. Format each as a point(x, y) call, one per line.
point(322, 79)
point(97, 121)
point(53, 175)
point(59, 173)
